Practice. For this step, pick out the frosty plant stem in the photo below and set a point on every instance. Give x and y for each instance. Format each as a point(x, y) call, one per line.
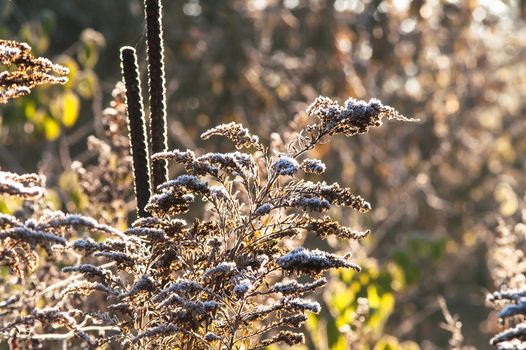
point(154, 32)
point(139, 145)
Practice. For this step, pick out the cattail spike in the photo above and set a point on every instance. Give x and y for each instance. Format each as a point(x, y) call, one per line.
point(153, 11)
point(137, 125)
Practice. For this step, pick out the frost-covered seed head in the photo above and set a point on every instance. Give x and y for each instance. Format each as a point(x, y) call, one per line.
point(224, 268)
point(285, 166)
point(313, 166)
point(243, 287)
point(312, 261)
point(263, 209)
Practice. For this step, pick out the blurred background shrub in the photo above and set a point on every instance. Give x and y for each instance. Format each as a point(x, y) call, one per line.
point(436, 187)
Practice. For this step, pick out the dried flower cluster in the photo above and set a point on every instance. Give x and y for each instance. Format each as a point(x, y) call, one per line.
point(107, 183)
point(27, 186)
point(217, 282)
point(18, 239)
point(354, 117)
point(24, 237)
point(509, 269)
point(228, 279)
point(29, 72)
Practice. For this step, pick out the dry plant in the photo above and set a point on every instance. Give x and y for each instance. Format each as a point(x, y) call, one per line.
point(106, 183)
point(28, 72)
point(19, 240)
point(508, 267)
point(24, 237)
point(453, 326)
point(215, 283)
point(214, 260)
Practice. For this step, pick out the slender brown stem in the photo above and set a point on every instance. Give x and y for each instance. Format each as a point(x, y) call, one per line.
point(137, 125)
point(154, 33)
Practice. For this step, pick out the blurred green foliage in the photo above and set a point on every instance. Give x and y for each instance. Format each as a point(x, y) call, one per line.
point(377, 287)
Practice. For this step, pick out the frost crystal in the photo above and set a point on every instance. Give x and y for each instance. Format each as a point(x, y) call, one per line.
point(218, 193)
point(313, 166)
point(303, 304)
point(312, 261)
point(285, 166)
point(222, 269)
point(243, 287)
point(263, 209)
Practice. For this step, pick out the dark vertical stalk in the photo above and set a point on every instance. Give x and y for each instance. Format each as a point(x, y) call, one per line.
point(137, 125)
point(154, 34)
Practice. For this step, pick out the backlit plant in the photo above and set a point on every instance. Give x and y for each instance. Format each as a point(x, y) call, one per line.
point(215, 258)
point(508, 266)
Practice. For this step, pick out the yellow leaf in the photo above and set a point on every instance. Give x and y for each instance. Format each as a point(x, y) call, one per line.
point(372, 296)
point(71, 109)
point(505, 195)
point(73, 67)
point(51, 129)
point(41, 302)
point(398, 276)
point(342, 297)
point(341, 344)
point(388, 342)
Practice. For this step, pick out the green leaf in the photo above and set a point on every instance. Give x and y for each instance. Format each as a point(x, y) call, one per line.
point(49, 21)
point(88, 54)
point(86, 83)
